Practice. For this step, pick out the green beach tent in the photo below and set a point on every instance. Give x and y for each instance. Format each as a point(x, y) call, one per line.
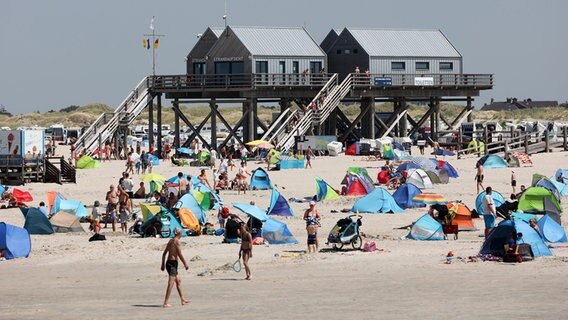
point(534, 198)
point(324, 191)
point(86, 162)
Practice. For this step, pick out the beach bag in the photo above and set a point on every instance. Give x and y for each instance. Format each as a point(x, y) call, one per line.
point(370, 246)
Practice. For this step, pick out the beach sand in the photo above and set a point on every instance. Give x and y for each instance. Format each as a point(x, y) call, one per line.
point(67, 277)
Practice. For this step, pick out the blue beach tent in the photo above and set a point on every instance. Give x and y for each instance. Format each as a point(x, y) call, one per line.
point(426, 228)
point(561, 175)
point(74, 207)
point(36, 222)
point(497, 199)
point(498, 237)
point(561, 187)
point(324, 191)
point(15, 241)
point(526, 217)
point(278, 205)
point(378, 201)
point(452, 172)
point(493, 161)
point(550, 230)
point(550, 186)
point(252, 210)
point(189, 202)
point(404, 194)
point(277, 232)
point(259, 180)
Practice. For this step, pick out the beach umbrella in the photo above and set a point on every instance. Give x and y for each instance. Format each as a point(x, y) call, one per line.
point(266, 146)
point(184, 150)
point(430, 198)
point(443, 152)
point(255, 143)
point(252, 211)
point(407, 165)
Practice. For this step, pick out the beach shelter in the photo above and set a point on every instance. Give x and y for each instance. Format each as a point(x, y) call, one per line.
point(426, 163)
point(214, 200)
point(536, 178)
point(36, 222)
point(277, 232)
point(259, 180)
point(74, 207)
point(378, 201)
point(252, 211)
point(498, 237)
point(550, 230)
point(533, 200)
point(53, 200)
point(183, 150)
point(561, 175)
point(405, 166)
point(401, 155)
point(352, 149)
point(324, 191)
point(15, 241)
point(388, 152)
point(203, 156)
point(154, 160)
point(278, 205)
point(497, 199)
point(188, 220)
point(2, 189)
point(189, 202)
point(404, 194)
point(519, 159)
point(149, 210)
point(355, 186)
point(64, 222)
point(462, 216)
point(548, 185)
point(274, 156)
point(174, 223)
point(492, 161)
point(426, 228)
point(434, 177)
point(361, 172)
point(86, 162)
point(445, 165)
point(22, 196)
point(561, 187)
point(526, 217)
point(419, 178)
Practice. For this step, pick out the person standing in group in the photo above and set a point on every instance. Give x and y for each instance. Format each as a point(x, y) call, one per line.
point(242, 178)
point(246, 248)
point(112, 204)
point(144, 162)
point(124, 214)
point(309, 156)
point(173, 252)
point(312, 218)
point(489, 211)
point(513, 180)
point(182, 185)
point(127, 185)
point(479, 176)
point(212, 158)
point(95, 217)
point(244, 153)
point(203, 179)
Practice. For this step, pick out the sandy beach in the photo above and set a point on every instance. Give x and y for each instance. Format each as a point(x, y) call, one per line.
point(67, 277)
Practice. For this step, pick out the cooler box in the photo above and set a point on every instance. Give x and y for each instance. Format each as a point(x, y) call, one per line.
point(334, 148)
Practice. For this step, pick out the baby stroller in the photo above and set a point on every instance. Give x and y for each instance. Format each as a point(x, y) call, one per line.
point(346, 231)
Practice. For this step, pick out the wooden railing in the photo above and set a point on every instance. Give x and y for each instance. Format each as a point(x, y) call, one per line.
point(361, 80)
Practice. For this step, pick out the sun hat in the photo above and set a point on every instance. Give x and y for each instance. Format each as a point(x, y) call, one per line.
point(312, 203)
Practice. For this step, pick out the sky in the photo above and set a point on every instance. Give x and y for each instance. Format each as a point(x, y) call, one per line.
point(58, 53)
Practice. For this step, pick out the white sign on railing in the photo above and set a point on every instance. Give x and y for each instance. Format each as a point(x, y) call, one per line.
point(423, 81)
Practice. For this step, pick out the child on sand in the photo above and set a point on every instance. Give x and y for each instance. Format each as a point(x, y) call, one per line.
point(312, 238)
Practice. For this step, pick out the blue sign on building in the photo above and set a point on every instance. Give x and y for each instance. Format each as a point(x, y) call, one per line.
point(383, 82)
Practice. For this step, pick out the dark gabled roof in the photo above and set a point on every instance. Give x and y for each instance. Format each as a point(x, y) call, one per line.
point(330, 39)
point(210, 34)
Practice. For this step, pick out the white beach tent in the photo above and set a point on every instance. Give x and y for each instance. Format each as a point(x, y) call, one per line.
point(419, 178)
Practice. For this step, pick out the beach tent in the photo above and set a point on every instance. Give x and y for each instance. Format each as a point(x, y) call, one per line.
point(22, 196)
point(75, 207)
point(561, 175)
point(64, 222)
point(167, 229)
point(532, 200)
point(278, 205)
point(526, 217)
point(214, 199)
point(404, 194)
point(401, 155)
point(462, 217)
point(426, 163)
point(419, 178)
point(86, 162)
point(519, 159)
point(252, 211)
point(497, 199)
point(378, 201)
point(203, 156)
point(188, 220)
point(355, 186)
point(149, 210)
point(476, 146)
point(492, 161)
point(53, 200)
point(445, 165)
point(498, 237)
point(561, 187)
point(388, 153)
point(405, 166)
point(154, 160)
point(550, 230)
point(277, 232)
point(15, 241)
point(352, 149)
point(189, 202)
point(426, 228)
point(434, 177)
point(324, 191)
point(36, 222)
point(361, 172)
point(548, 185)
point(536, 178)
point(259, 180)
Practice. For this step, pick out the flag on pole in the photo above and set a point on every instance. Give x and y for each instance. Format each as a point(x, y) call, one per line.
point(156, 42)
point(144, 43)
point(152, 24)
point(148, 44)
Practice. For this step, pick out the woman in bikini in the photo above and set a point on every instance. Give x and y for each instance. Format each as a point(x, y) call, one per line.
point(246, 248)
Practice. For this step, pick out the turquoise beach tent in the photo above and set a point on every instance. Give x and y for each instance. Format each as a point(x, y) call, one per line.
point(75, 207)
point(404, 194)
point(550, 230)
point(278, 205)
point(252, 210)
point(189, 202)
point(561, 175)
point(493, 161)
point(426, 228)
point(526, 217)
point(324, 191)
point(497, 199)
point(277, 232)
point(498, 237)
point(561, 187)
point(174, 223)
point(164, 213)
point(259, 180)
point(15, 241)
point(378, 201)
point(56, 202)
point(36, 222)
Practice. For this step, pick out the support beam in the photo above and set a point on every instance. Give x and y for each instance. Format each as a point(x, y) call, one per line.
point(177, 142)
point(213, 106)
point(252, 120)
point(422, 120)
point(151, 124)
point(159, 142)
point(402, 123)
point(195, 131)
point(367, 121)
point(232, 131)
point(469, 107)
point(351, 127)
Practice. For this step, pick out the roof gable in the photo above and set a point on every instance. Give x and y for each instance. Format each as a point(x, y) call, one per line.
point(404, 43)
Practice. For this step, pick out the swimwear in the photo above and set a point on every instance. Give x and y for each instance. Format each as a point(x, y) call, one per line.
point(479, 178)
point(514, 183)
point(312, 239)
point(247, 251)
point(172, 268)
point(489, 221)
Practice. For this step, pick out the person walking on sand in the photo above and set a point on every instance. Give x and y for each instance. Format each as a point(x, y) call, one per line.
point(489, 211)
point(246, 248)
point(312, 218)
point(112, 206)
point(479, 177)
point(173, 252)
point(309, 156)
point(513, 180)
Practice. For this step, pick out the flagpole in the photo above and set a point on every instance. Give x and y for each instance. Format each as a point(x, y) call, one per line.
point(153, 44)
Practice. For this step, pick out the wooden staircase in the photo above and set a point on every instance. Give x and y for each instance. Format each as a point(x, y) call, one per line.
point(57, 170)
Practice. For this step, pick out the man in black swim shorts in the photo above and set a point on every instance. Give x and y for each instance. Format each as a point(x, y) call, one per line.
point(173, 252)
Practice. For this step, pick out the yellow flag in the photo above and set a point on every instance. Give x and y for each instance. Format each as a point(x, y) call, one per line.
point(144, 43)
